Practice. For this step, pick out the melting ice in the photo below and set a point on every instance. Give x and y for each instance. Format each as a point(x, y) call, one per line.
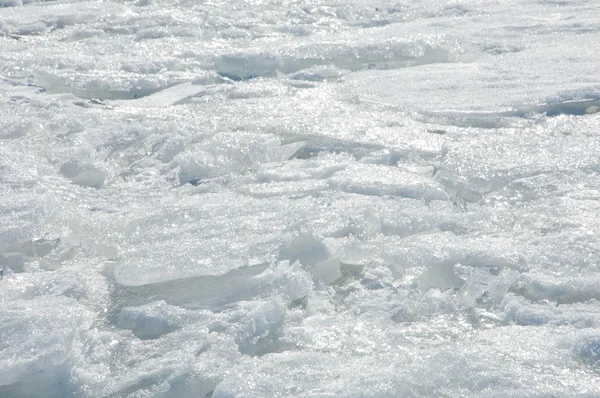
point(299, 198)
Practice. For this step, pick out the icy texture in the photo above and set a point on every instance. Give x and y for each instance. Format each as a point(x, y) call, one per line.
point(282, 198)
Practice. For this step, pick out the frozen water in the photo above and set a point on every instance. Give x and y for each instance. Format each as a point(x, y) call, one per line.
point(299, 198)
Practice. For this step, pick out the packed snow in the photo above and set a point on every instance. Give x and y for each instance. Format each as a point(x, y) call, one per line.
point(299, 198)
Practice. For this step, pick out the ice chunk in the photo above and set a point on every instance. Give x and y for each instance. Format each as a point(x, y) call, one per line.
point(375, 180)
point(319, 73)
point(328, 271)
point(83, 174)
point(291, 189)
point(310, 251)
point(226, 153)
point(167, 149)
point(35, 248)
point(37, 336)
point(215, 290)
point(306, 248)
point(152, 320)
point(10, 3)
point(485, 287)
point(588, 350)
point(20, 129)
point(542, 286)
point(164, 97)
point(15, 261)
point(592, 109)
point(440, 276)
point(246, 66)
point(261, 329)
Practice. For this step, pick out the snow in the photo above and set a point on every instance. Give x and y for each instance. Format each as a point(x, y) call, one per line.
point(299, 198)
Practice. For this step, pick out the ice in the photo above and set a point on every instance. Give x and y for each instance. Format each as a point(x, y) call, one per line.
point(11, 3)
point(261, 329)
point(38, 340)
point(299, 198)
point(150, 321)
point(83, 174)
point(378, 180)
point(588, 350)
point(166, 97)
point(312, 253)
point(223, 153)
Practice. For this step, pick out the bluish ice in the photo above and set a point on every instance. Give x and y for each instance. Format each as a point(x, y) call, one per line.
point(299, 198)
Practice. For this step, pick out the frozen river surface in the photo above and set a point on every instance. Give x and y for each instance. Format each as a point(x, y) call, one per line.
point(300, 198)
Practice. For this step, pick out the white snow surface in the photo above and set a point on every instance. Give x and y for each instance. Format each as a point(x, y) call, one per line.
point(300, 198)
